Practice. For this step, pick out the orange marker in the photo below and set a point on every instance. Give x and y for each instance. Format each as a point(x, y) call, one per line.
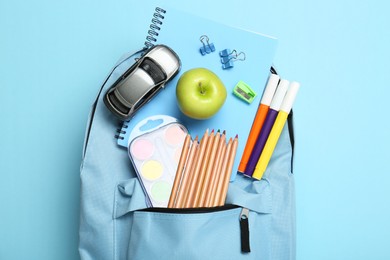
point(259, 120)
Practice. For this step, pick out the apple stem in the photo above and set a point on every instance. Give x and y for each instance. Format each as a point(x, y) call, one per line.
point(202, 90)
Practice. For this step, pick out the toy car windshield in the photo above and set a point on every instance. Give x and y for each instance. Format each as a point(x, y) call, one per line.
point(142, 81)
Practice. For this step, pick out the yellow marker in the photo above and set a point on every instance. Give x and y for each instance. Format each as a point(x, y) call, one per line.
point(276, 130)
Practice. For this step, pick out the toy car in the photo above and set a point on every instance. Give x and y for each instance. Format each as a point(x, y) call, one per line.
point(142, 81)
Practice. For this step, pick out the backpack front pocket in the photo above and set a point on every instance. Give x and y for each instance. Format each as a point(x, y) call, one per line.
point(226, 232)
point(172, 235)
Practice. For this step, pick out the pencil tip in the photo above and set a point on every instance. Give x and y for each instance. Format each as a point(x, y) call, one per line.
point(212, 131)
point(224, 132)
point(236, 135)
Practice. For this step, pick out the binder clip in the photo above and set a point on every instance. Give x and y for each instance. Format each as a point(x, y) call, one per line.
point(228, 57)
point(207, 46)
point(244, 92)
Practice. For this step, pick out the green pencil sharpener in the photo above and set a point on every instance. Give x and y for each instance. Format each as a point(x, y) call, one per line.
point(244, 92)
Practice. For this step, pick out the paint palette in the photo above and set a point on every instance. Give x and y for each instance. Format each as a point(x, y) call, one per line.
point(154, 150)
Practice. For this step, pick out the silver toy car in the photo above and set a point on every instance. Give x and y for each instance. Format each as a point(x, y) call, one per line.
point(142, 81)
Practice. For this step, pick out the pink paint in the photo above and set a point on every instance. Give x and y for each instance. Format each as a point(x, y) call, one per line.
point(174, 135)
point(142, 149)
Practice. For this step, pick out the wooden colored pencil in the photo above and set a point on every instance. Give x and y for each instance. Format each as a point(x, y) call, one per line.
point(202, 171)
point(207, 176)
point(179, 171)
point(220, 182)
point(228, 172)
point(195, 173)
point(218, 177)
point(215, 171)
point(182, 191)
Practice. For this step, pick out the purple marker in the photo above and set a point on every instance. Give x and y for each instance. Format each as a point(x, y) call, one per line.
point(267, 126)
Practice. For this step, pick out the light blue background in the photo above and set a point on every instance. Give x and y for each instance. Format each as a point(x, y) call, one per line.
point(55, 54)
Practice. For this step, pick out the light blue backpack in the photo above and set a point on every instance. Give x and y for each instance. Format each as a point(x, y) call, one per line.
point(259, 216)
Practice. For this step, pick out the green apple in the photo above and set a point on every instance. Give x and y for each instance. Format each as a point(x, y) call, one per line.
point(200, 93)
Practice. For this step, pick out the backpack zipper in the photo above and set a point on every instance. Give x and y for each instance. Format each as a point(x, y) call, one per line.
point(244, 228)
point(291, 134)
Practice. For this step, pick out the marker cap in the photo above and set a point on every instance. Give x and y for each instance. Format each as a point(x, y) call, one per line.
point(290, 97)
point(279, 95)
point(269, 91)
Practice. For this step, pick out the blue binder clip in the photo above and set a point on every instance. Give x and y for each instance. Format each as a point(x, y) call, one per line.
point(225, 54)
point(207, 46)
point(229, 57)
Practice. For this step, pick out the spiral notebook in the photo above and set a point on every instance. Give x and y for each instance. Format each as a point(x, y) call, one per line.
point(182, 32)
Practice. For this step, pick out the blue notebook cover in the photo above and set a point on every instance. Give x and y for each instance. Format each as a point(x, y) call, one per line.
point(182, 31)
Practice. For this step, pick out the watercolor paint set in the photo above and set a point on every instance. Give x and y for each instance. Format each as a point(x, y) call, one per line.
point(154, 150)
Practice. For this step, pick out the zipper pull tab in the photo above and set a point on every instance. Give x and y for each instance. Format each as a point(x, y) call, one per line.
point(244, 227)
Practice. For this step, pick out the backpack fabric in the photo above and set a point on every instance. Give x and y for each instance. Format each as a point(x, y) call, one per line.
point(115, 223)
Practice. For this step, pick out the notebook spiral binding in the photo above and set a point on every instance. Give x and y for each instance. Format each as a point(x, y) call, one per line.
point(155, 26)
point(122, 130)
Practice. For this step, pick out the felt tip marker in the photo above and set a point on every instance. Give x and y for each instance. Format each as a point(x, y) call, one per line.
point(267, 126)
point(261, 114)
point(276, 130)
